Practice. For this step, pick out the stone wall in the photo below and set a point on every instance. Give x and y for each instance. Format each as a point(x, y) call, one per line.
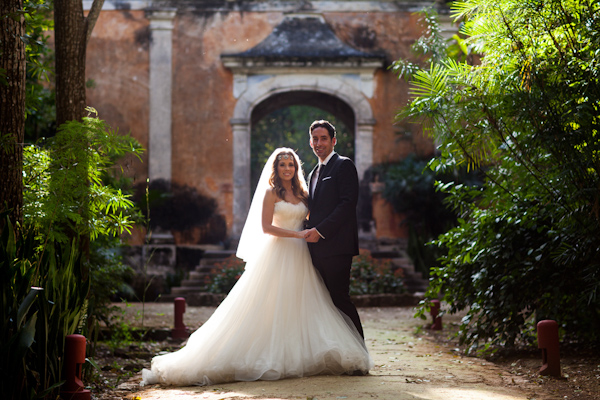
point(202, 96)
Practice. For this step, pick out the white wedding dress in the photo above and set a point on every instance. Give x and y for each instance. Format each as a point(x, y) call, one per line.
point(277, 322)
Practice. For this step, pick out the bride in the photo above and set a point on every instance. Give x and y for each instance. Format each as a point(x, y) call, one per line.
point(278, 321)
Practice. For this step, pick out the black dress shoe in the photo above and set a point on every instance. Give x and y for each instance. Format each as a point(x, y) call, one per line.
point(358, 372)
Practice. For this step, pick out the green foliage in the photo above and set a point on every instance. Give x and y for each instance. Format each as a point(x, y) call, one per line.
point(108, 275)
point(526, 244)
point(18, 322)
point(67, 201)
point(289, 127)
point(43, 300)
point(39, 100)
point(226, 274)
point(171, 206)
point(71, 191)
point(65, 195)
point(374, 276)
point(369, 276)
point(410, 187)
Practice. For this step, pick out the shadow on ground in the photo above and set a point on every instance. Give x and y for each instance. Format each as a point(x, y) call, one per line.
point(410, 363)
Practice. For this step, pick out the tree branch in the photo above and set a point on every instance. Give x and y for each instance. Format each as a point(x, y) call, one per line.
point(92, 17)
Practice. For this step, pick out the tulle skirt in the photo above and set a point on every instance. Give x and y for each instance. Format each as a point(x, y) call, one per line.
point(277, 322)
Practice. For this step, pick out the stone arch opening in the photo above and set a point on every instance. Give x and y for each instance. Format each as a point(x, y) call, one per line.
point(328, 103)
point(283, 120)
point(345, 92)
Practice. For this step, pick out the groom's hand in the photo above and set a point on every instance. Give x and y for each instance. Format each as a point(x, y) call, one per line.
point(312, 236)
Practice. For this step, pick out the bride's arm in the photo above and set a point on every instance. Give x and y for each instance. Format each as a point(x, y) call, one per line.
point(267, 218)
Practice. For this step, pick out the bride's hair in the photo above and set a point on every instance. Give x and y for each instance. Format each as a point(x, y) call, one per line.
point(275, 180)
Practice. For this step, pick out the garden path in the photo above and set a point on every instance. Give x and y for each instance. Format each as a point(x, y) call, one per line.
point(408, 365)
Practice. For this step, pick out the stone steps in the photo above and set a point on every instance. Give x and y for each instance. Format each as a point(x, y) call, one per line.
point(194, 287)
point(395, 251)
point(199, 278)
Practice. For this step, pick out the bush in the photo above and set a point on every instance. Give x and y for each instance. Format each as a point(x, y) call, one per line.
point(44, 299)
point(72, 217)
point(173, 207)
point(526, 244)
point(374, 276)
point(410, 187)
point(368, 276)
point(66, 193)
point(226, 274)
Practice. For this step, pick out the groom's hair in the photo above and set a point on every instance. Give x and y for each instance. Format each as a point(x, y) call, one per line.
point(321, 123)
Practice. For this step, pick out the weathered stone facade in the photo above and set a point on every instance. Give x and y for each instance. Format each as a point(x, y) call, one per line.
point(165, 72)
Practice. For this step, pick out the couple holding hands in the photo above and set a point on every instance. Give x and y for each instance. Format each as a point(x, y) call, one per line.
point(290, 314)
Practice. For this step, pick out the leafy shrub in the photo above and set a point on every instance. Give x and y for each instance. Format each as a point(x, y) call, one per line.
point(71, 220)
point(44, 299)
point(109, 276)
point(410, 187)
point(70, 190)
point(171, 206)
point(368, 276)
point(374, 276)
point(526, 244)
point(226, 274)
point(65, 193)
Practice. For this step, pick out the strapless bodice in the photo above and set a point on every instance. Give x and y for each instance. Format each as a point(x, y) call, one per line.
point(289, 216)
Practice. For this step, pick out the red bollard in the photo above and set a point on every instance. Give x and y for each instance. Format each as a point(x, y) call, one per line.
point(547, 331)
point(180, 331)
point(74, 359)
point(434, 311)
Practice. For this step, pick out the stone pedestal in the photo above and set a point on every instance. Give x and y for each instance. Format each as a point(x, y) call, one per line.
point(160, 254)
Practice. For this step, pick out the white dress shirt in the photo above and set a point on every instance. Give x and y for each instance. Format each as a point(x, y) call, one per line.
point(315, 179)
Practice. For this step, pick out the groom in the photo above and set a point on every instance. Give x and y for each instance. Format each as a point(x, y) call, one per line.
point(333, 229)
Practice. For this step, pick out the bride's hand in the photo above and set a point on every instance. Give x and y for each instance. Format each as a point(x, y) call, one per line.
point(312, 236)
point(302, 234)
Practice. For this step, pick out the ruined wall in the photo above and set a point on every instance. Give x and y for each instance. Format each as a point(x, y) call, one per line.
point(117, 72)
point(202, 98)
point(392, 33)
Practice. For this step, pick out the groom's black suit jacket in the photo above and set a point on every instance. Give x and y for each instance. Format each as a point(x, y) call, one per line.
point(333, 208)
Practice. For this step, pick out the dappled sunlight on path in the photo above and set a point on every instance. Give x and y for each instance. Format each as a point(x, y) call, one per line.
point(406, 367)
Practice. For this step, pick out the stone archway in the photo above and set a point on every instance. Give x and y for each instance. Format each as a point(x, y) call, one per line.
point(272, 125)
point(352, 90)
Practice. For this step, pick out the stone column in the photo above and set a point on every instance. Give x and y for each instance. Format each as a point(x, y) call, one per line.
point(159, 152)
point(364, 146)
point(241, 174)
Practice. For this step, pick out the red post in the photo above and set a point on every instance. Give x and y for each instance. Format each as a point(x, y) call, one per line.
point(434, 311)
point(180, 331)
point(74, 359)
point(547, 331)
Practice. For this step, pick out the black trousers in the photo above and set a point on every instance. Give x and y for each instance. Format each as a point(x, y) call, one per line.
point(335, 272)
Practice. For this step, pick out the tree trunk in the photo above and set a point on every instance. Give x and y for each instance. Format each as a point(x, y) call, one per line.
point(12, 108)
point(70, 51)
point(72, 31)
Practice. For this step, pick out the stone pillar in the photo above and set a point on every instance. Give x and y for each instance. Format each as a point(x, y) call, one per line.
point(241, 175)
point(363, 146)
point(159, 152)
